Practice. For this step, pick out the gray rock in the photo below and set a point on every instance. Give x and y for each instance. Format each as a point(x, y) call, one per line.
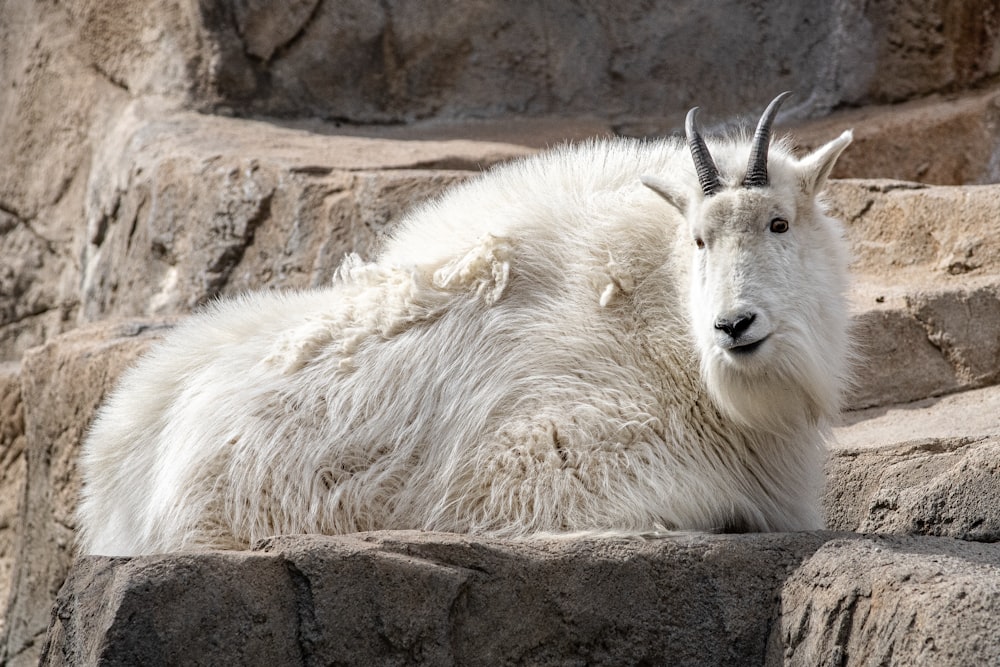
point(882, 600)
point(425, 598)
point(62, 384)
point(931, 467)
point(183, 208)
point(12, 474)
point(398, 61)
point(224, 608)
point(948, 487)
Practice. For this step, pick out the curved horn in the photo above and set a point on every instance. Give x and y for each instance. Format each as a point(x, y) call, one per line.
point(708, 173)
point(757, 166)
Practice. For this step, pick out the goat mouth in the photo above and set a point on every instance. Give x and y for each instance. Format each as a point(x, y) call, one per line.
point(748, 348)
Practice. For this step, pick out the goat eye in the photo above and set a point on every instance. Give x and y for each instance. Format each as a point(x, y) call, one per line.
point(779, 226)
point(699, 242)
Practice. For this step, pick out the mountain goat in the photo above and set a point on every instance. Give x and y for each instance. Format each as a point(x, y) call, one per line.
point(610, 336)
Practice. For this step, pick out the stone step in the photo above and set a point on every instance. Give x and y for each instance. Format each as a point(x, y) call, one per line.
point(55, 392)
point(428, 598)
point(927, 287)
point(916, 341)
point(973, 415)
point(930, 467)
point(939, 139)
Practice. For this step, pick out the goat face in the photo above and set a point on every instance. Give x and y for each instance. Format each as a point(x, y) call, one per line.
point(767, 278)
point(767, 304)
point(744, 273)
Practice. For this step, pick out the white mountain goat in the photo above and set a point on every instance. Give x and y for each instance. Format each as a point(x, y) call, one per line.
point(585, 340)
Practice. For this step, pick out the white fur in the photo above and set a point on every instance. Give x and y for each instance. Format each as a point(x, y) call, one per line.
point(535, 352)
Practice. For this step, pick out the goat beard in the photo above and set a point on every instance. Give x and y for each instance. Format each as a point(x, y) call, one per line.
point(781, 397)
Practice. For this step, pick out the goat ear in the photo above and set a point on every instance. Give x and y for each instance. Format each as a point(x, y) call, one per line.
point(670, 192)
point(816, 167)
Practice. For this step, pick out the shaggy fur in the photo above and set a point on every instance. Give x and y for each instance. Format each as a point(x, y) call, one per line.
point(534, 352)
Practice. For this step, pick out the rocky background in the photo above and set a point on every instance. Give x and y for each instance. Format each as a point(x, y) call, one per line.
point(156, 155)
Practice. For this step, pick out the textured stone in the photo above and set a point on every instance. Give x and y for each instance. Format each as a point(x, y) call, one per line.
point(925, 342)
point(944, 140)
point(184, 208)
point(229, 608)
point(426, 598)
point(893, 601)
point(44, 155)
point(934, 486)
point(927, 293)
point(973, 414)
point(12, 473)
point(913, 234)
point(62, 384)
point(397, 61)
point(931, 467)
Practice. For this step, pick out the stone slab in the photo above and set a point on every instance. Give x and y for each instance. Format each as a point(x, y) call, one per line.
point(927, 287)
point(427, 598)
point(183, 208)
point(912, 234)
point(940, 139)
point(881, 600)
point(12, 475)
point(930, 467)
point(62, 384)
point(406, 598)
point(941, 486)
point(971, 414)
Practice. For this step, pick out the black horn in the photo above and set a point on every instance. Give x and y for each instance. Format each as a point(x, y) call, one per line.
point(708, 173)
point(757, 166)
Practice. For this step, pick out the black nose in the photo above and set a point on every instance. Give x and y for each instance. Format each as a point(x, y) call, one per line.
point(735, 328)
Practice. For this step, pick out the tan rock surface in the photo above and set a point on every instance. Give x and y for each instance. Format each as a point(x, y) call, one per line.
point(940, 140)
point(432, 598)
point(931, 467)
point(62, 384)
point(927, 287)
point(12, 474)
point(973, 414)
point(415, 598)
point(879, 600)
point(946, 486)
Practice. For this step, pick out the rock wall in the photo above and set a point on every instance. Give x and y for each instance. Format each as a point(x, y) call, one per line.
point(156, 155)
point(324, 79)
